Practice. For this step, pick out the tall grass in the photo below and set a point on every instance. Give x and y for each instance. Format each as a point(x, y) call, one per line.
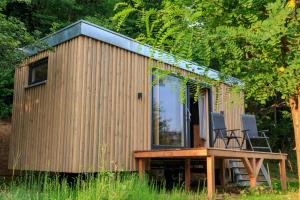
point(111, 186)
point(106, 186)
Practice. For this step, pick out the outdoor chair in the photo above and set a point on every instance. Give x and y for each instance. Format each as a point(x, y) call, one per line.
point(220, 131)
point(257, 139)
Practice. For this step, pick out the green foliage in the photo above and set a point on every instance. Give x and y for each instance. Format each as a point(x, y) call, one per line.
point(245, 42)
point(6, 91)
point(256, 41)
point(51, 15)
point(13, 35)
point(21, 21)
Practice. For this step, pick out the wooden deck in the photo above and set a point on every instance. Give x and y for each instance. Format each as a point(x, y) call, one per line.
point(252, 161)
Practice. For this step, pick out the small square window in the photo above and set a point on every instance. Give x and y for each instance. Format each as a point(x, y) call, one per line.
point(38, 71)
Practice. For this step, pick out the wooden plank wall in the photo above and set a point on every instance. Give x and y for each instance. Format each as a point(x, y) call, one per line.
point(87, 117)
point(42, 125)
point(111, 120)
point(232, 103)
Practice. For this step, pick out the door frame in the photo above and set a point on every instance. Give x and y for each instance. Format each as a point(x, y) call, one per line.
point(186, 136)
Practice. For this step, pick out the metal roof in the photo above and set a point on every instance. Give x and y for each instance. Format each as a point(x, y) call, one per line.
point(88, 29)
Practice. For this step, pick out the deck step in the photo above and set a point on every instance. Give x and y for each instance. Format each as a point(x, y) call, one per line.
point(242, 177)
point(236, 160)
point(260, 181)
point(260, 147)
point(245, 173)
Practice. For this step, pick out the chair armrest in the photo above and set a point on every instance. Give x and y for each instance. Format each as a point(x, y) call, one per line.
point(263, 132)
point(219, 129)
point(244, 131)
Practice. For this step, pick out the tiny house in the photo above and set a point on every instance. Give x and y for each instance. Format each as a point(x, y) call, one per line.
point(89, 102)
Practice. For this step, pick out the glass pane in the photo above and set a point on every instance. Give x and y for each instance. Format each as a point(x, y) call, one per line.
point(168, 112)
point(38, 71)
point(203, 118)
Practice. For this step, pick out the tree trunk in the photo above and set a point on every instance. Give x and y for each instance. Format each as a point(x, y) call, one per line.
point(294, 105)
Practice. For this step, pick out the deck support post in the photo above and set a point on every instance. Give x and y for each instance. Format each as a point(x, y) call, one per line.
point(253, 166)
point(252, 161)
point(282, 172)
point(252, 175)
point(210, 167)
point(187, 174)
point(141, 167)
point(222, 173)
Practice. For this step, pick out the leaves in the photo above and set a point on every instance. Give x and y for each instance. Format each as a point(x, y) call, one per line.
point(245, 42)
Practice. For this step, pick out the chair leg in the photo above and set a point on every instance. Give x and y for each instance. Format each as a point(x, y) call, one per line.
point(218, 135)
point(243, 141)
point(238, 142)
point(268, 145)
point(267, 141)
point(226, 145)
point(251, 144)
point(214, 142)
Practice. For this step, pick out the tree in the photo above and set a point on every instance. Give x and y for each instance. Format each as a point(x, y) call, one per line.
point(254, 40)
point(52, 15)
point(13, 35)
point(24, 20)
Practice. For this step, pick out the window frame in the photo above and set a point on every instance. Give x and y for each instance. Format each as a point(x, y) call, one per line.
point(33, 66)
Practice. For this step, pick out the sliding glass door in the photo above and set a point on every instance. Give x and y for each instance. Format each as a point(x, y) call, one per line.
point(169, 126)
point(176, 123)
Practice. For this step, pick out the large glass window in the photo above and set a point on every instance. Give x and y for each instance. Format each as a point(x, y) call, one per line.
point(168, 123)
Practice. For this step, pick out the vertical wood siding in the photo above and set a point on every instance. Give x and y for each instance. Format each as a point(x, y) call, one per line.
point(87, 117)
point(232, 103)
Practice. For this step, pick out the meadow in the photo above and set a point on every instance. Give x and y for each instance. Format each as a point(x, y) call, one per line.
point(110, 186)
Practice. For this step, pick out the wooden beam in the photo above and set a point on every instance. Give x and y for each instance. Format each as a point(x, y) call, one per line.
point(229, 153)
point(141, 167)
point(254, 169)
point(204, 152)
point(210, 167)
point(252, 165)
point(187, 174)
point(258, 163)
point(176, 153)
point(248, 163)
point(282, 172)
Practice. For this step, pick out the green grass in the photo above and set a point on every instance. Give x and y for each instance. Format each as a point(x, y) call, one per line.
point(108, 186)
point(103, 186)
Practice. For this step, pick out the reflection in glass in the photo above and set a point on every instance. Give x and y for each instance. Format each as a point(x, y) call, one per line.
point(203, 118)
point(168, 126)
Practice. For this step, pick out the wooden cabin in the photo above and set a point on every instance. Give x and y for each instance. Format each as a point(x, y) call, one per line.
point(89, 103)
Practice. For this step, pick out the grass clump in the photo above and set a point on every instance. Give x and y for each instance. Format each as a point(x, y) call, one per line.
point(106, 186)
point(120, 186)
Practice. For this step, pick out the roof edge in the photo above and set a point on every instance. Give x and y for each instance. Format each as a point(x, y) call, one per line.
point(94, 31)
